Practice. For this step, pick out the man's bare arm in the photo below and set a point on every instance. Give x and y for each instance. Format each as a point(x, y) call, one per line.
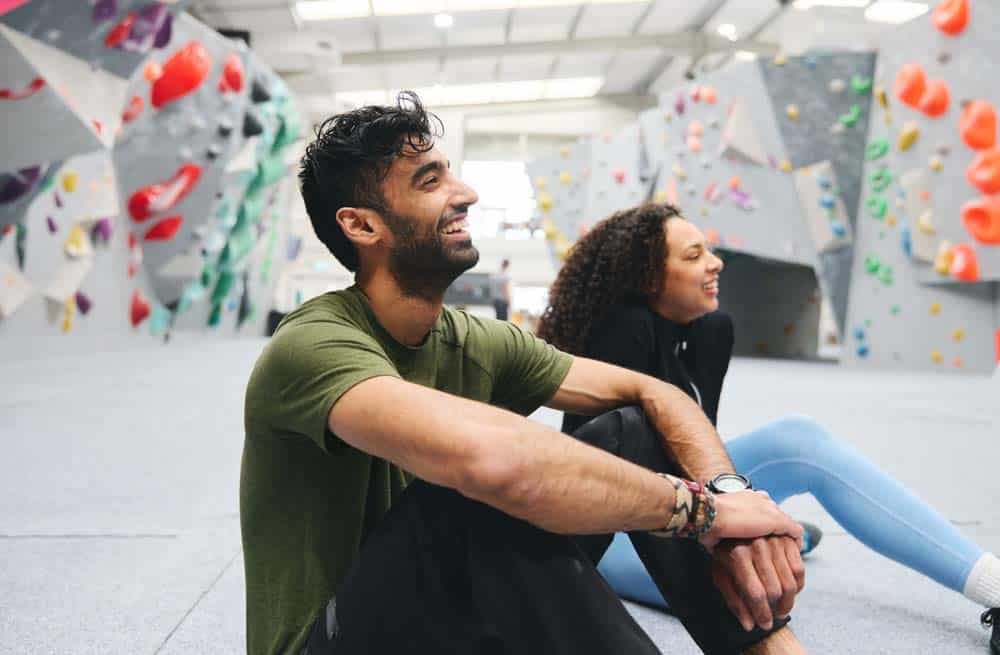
point(522, 467)
point(593, 387)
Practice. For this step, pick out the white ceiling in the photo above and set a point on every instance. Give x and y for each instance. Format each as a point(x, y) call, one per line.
point(574, 39)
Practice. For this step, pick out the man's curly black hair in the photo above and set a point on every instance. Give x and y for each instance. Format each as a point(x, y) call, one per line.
point(621, 259)
point(350, 157)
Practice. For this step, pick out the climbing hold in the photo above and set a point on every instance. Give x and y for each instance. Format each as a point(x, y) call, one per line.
point(838, 229)
point(906, 242)
point(541, 182)
point(102, 230)
point(894, 310)
point(564, 152)
point(667, 116)
point(981, 218)
point(259, 92)
point(882, 97)
point(876, 206)
point(957, 362)
point(872, 264)
point(837, 85)
point(619, 175)
point(51, 224)
point(836, 128)
point(165, 229)
point(183, 72)
point(780, 59)
point(565, 177)
point(935, 163)
point(826, 201)
point(104, 10)
point(679, 104)
point(734, 182)
point(885, 274)
point(936, 356)
point(133, 109)
point(934, 102)
point(935, 308)
point(213, 151)
point(910, 84)
point(139, 309)
point(152, 71)
point(958, 334)
point(83, 302)
point(251, 125)
point(951, 16)
point(119, 32)
point(660, 196)
point(69, 181)
point(545, 202)
point(942, 260)
point(785, 166)
point(908, 135)
point(876, 149)
point(694, 143)
point(232, 74)
point(824, 182)
point(984, 171)
point(76, 244)
point(712, 236)
point(925, 223)
point(792, 111)
point(709, 95)
point(696, 128)
point(880, 179)
point(861, 84)
point(890, 220)
point(978, 125)
point(859, 333)
point(679, 172)
point(964, 263)
point(862, 350)
point(943, 58)
point(160, 197)
point(225, 127)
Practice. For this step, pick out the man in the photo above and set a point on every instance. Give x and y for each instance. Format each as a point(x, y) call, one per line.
point(363, 390)
point(500, 290)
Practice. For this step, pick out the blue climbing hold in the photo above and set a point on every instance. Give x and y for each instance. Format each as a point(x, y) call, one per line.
point(863, 350)
point(826, 201)
point(824, 182)
point(838, 229)
point(907, 242)
point(859, 333)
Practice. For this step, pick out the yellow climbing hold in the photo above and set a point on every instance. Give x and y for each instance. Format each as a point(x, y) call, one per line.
point(785, 166)
point(679, 172)
point(667, 116)
point(958, 334)
point(69, 181)
point(883, 97)
point(76, 243)
point(942, 261)
point(545, 202)
point(935, 308)
point(564, 151)
point(793, 112)
point(541, 182)
point(660, 196)
point(935, 163)
point(936, 356)
point(565, 177)
point(891, 220)
point(550, 229)
point(926, 222)
point(69, 309)
point(780, 59)
point(908, 135)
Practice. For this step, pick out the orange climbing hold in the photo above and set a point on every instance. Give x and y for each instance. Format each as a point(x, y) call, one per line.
point(984, 171)
point(978, 125)
point(694, 143)
point(734, 182)
point(951, 16)
point(712, 236)
point(981, 218)
point(910, 84)
point(934, 102)
point(964, 263)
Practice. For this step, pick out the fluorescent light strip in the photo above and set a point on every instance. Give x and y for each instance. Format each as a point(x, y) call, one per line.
point(485, 92)
point(850, 4)
point(316, 10)
point(895, 12)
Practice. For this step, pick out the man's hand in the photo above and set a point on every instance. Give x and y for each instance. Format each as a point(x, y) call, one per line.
point(748, 514)
point(758, 578)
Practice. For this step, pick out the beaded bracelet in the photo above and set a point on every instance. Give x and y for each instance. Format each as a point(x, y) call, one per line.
point(693, 512)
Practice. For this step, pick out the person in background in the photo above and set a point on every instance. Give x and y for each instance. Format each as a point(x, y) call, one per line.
point(500, 290)
point(640, 290)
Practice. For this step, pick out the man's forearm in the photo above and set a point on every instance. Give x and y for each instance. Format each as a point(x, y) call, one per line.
point(689, 437)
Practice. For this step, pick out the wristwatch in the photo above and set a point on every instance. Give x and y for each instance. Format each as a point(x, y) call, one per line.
point(727, 483)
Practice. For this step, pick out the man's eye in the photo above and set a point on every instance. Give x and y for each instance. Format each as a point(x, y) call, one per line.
point(430, 180)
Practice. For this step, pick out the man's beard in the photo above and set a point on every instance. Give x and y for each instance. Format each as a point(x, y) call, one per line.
point(424, 265)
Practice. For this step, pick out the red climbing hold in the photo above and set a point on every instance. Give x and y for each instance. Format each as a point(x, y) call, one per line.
point(182, 73)
point(160, 197)
point(951, 16)
point(139, 310)
point(619, 175)
point(910, 84)
point(984, 171)
point(934, 101)
point(232, 74)
point(996, 338)
point(33, 87)
point(978, 125)
point(964, 263)
point(120, 31)
point(981, 218)
point(165, 229)
point(135, 106)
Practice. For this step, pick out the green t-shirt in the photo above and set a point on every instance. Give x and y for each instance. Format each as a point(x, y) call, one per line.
point(308, 499)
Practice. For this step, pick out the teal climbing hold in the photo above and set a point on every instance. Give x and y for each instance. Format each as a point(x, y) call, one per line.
point(876, 149)
point(894, 310)
point(880, 179)
point(877, 206)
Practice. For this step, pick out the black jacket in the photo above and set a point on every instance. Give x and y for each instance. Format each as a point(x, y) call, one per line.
point(693, 357)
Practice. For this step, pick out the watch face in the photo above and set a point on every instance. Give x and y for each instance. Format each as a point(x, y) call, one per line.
point(730, 483)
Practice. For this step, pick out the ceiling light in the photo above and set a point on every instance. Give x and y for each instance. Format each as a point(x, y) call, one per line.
point(443, 21)
point(745, 55)
point(331, 9)
point(895, 12)
point(409, 7)
point(486, 92)
point(850, 4)
point(727, 30)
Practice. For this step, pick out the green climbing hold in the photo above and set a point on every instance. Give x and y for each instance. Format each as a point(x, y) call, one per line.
point(876, 149)
point(868, 322)
point(877, 207)
point(885, 275)
point(222, 287)
point(880, 179)
point(894, 310)
point(860, 84)
point(872, 264)
point(216, 316)
point(850, 119)
point(207, 275)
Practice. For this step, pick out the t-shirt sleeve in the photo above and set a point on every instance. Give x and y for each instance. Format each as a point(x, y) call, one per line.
point(305, 370)
point(624, 339)
point(527, 371)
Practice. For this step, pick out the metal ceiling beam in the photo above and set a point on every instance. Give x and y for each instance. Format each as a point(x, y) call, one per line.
point(675, 42)
point(660, 64)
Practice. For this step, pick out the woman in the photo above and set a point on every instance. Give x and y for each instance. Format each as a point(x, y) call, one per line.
point(640, 290)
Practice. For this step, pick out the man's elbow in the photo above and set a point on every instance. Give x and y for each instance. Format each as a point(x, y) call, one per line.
point(495, 474)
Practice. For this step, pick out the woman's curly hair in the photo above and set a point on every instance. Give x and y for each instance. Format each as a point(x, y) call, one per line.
point(619, 260)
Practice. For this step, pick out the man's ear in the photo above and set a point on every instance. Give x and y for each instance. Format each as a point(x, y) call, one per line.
point(361, 226)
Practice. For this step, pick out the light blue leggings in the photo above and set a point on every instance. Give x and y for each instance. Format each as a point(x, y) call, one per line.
point(795, 455)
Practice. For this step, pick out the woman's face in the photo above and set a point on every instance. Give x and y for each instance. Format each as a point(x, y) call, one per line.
point(691, 274)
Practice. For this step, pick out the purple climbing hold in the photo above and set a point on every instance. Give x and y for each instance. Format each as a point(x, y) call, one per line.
point(14, 186)
point(83, 303)
point(52, 225)
point(165, 32)
point(102, 230)
point(58, 200)
point(104, 10)
point(679, 104)
point(147, 24)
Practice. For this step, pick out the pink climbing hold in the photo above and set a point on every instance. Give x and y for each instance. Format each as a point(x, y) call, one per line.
point(619, 175)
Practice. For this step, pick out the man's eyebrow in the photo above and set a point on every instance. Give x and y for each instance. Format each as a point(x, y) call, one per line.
point(424, 170)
